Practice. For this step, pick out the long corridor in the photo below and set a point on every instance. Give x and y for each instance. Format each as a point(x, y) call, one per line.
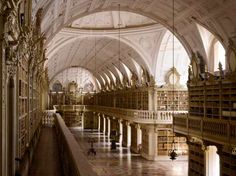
point(46, 161)
point(121, 162)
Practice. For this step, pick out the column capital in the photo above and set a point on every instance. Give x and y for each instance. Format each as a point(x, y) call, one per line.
point(137, 125)
point(125, 122)
point(11, 70)
point(198, 141)
point(128, 123)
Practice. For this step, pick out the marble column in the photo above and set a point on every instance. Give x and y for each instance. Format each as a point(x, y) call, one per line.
point(149, 142)
point(108, 126)
point(212, 161)
point(126, 134)
point(120, 131)
point(136, 138)
point(99, 122)
point(104, 124)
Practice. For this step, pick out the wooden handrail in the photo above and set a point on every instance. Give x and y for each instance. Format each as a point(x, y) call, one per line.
point(73, 160)
point(215, 130)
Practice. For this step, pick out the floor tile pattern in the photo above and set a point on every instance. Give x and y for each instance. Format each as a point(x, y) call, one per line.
point(121, 162)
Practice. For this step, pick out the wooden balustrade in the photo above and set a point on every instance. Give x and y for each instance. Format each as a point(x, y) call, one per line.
point(194, 125)
point(138, 116)
point(216, 130)
point(73, 161)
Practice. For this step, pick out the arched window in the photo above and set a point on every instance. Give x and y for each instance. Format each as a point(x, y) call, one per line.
point(57, 87)
point(219, 55)
point(215, 52)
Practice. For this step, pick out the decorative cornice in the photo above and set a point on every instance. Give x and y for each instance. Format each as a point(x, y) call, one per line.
point(130, 31)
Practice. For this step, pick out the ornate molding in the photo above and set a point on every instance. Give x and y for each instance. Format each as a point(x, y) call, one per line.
point(11, 70)
point(231, 58)
point(198, 141)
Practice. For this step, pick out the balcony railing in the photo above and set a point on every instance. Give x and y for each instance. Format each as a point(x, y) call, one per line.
point(73, 160)
point(216, 130)
point(138, 116)
point(48, 119)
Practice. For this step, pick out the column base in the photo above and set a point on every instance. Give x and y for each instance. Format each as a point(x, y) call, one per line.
point(125, 145)
point(149, 157)
point(134, 149)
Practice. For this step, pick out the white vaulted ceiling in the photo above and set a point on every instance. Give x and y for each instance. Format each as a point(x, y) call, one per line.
point(215, 15)
point(96, 47)
point(65, 21)
point(81, 52)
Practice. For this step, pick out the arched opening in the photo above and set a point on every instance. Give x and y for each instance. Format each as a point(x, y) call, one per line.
point(165, 60)
point(214, 49)
point(57, 87)
point(219, 55)
point(212, 161)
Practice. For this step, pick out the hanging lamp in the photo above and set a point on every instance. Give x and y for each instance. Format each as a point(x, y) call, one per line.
point(173, 154)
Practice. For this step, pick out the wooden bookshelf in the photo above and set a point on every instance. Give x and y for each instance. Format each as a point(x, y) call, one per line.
point(213, 99)
point(227, 164)
point(196, 160)
point(132, 98)
point(165, 143)
point(22, 105)
point(168, 99)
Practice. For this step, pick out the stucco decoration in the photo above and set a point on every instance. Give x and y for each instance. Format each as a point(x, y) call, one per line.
point(231, 57)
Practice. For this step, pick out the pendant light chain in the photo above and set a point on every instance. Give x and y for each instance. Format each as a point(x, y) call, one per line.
point(173, 154)
point(95, 53)
point(95, 49)
point(119, 24)
point(173, 60)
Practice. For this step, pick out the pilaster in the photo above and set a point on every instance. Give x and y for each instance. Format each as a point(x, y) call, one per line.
point(104, 124)
point(120, 131)
point(136, 138)
point(108, 126)
point(126, 134)
point(149, 142)
point(99, 122)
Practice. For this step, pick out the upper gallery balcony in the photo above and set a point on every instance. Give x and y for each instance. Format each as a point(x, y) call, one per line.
point(138, 116)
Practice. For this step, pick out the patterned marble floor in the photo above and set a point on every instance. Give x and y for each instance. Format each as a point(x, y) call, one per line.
point(122, 162)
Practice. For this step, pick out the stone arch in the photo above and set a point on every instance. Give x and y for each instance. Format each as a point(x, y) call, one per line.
point(137, 11)
point(136, 48)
